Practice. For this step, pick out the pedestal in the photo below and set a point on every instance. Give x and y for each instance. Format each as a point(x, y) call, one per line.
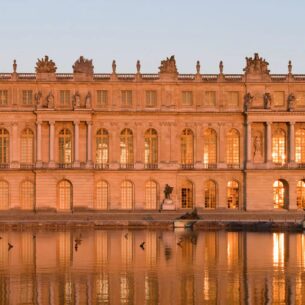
point(168, 205)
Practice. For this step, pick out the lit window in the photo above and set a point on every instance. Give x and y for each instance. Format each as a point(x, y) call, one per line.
point(151, 147)
point(209, 147)
point(187, 194)
point(210, 194)
point(233, 99)
point(301, 194)
point(279, 194)
point(102, 195)
point(102, 146)
point(65, 146)
point(232, 195)
point(126, 195)
point(187, 98)
point(279, 147)
point(279, 98)
point(210, 98)
point(151, 98)
point(126, 98)
point(27, 146)
point(126, 145)
point(151, 195)
point(27, 97)
point(64, 97)
point(3, 97)
point(300, 146)
point(4, 195)
point(64, 195)
point(27, 195)
point(4, 146)
point(187, 147)
point(233, 148)
point(102, 98)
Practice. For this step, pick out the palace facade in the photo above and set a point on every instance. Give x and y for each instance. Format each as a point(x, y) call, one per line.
point(86, 140)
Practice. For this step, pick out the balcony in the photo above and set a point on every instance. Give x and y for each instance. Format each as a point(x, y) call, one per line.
point(300, 165)
point(151, 166)
point(27, 165)
point(4, 165)
point(209, 165)
point(101, 166)
point(64, 165)
point(126, 165)
point(187, 166)
point(280, 165)
point(233, 166)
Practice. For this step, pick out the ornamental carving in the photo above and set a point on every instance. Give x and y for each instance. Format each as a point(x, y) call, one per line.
point(291, 101)
point(256, 65)
point(83, 65)
point(45, 65)
point(168, 65)
point(267, 100)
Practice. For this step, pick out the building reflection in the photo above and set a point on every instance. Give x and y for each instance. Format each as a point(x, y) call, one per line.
point(110, 267)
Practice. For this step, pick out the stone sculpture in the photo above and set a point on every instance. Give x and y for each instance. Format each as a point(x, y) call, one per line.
point(248, 100)
point(168, 65)
point(50, 100)
point(267, 100)
point(83, 65)
point(291, 101)
point(76, 100)
point(45, 65)
point(256, 65)
point(88, 100)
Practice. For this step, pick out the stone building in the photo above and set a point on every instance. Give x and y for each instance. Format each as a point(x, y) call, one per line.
point(113, 141)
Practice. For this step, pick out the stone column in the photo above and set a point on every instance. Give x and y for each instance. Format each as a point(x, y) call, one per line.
point(249, 143)
point(221, 147)
point(14, 160)
point(139, 147)
point(76, 162)
point(38, 144)
point(51, 144)
point(269, 143)
point(198, 149)
point(291, 143)
point(89, 143)
point(114, 147)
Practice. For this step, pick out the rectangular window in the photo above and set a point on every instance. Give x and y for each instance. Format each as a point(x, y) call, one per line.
point(3, 97)
point(187, 98)
point(300, 98)
point(65, 97)
point(102, 98)
point(27, 97)
point(210, 98)
point(233, 98)
point(279, 98)
point(126, 98)
point(151, 98)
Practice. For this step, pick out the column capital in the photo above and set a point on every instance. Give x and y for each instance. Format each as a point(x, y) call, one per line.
point(13, 124)
point(38, 122)
point(76, 122)
point(291, 123)
point(268, 123)
point(89, 123)
point(52, 122)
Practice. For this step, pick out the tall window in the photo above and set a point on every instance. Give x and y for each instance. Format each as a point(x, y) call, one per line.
point(65, 146)
point(187, 147)
point(279, 98)
point(300, 146)
point(64, 97)
point(64, 195)
point(210, 98)
point(27, 146)
point(102, 147)
point(4, 146)
point(210, 194)
point(209, 147)
point(4, 195)
point(279, 146)
point(233, 148)
point(126, 195)
point(187, 98)
point(151, 193)
point(102, 195)
point(187, 194)
point(102, 98)
point(151, 98)
point(301, 194)
point(233, 194)
point(280, 193)
point(27, 195)
point(151, 147)
point(27, 97)
point(233, 99)
point(126, 145)
point(126, 98)
point(3, 97)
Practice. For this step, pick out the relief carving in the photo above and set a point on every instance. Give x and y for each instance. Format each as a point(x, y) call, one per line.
point(257, 144)
point(83, 65)
point(76, 100)
point(50, 101)
point(45, 65)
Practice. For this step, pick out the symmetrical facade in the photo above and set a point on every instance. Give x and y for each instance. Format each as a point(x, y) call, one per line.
point(112, 141)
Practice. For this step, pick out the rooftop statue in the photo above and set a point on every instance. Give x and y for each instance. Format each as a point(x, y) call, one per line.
point(45, 65)
point(256, 65)
point(83, 65)
point(168, 65)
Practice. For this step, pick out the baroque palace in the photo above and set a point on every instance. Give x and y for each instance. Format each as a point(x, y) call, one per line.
point(91, 141)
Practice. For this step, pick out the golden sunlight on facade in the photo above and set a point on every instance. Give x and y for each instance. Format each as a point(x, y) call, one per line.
point(93, 141)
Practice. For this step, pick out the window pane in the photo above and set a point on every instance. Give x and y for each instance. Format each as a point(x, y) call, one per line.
point(151, 195)
point(279, 147)
point(102, 98)
point(233, 147)
point(102, 195)
point(210, 98)
point(151, 98)
point(187, 147)
point(187, 98)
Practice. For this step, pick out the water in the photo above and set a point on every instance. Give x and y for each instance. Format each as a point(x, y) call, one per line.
point(110, 267)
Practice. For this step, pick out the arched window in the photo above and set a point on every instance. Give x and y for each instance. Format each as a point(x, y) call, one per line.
point(301, 194)
point(102, 147)
point(280, 194)
point(300, 146)
point(27, 195)
point(233, 194)
point(65, 146)
point(151, 195)
point(210, 194)
point(187, 194)
point(102, 195)
point(279, 147)
point(126, 145)
point(4, 195)
point(187, 148)
point(126, 194)
point(65, 195)
point(4, 146)
point(209, 148)
point(233, 148)
point(151, 148)
point(27, 146)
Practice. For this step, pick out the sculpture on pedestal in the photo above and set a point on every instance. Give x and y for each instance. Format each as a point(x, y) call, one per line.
point(88, 100)
point(76, 100)
point(83, 65)
point(267, 100)
point(168, 65)
point(50, 100)
point(45, 65)
point(248, 100)
point(291, 101)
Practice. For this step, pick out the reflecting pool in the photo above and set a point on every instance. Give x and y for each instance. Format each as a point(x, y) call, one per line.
point(145, 267)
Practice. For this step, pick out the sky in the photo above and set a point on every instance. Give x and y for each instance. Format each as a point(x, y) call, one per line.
point(151, 30)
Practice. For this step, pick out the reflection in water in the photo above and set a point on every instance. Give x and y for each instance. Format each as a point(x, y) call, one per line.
point(173, 268)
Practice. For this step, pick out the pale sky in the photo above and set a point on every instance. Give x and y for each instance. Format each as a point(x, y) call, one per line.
point(150, 30)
